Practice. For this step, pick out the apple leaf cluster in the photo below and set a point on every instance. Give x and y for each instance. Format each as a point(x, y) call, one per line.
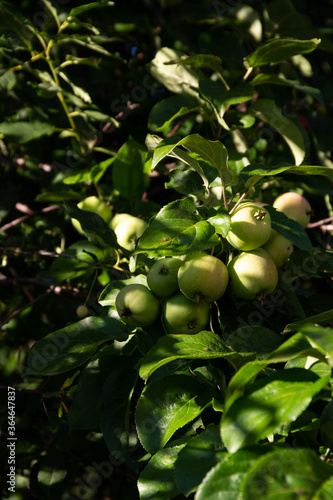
point(166, 242)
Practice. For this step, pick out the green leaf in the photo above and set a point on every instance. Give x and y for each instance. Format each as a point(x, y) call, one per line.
point(320, 338)
point(83, 40)
point(7, 80)
point(167, 110)
point(177, 229)
point(311, 170)
point(166, 405)
point(267, 111)
point(73, 345)
point(295, 347)
point(82, 413)
point(203, 61)
point(221, 98)
point(203, 345)
point(277, 50)
point(268, 404)
point(77, 260)
point(52, 471)
point(175, 77)
point(90, 176)
point(199, 455)
point(289, 228)
point(221, 221)
point(223, 482)
point(325, 491)
point(326, 425)
point(114, 405)
point(324, 318)
point(23, 132)
point(286, 474)
point(273, 79)
point(186, 182)
point(76, 11)
point(48, 4)
point(244, 376)
point(156, 481)
point(96, 229)
point(254, 338)
point(168, 147)
point(130, 171)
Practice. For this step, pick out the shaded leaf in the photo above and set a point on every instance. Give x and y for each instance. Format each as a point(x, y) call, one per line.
point(321, 338)
point(277, 50)
point(199, 455)
point(96, 229)
point(73, 345)
point(83, 412)
point(130, 171)
point(177, 229)
point(76, 11)
point(175, 77)
point(156, 481)
point(289, 228)
point(22, 132)
point(166, 405)
point(267, 111)
point(286, 474)
point(223, 482)
point(203, 345)
point(114, 406)
point(267, 405)
point(324, 318)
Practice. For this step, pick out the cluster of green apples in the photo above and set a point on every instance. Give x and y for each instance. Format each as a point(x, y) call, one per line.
point(127, 227)
point(254, 270)
point(180, 292)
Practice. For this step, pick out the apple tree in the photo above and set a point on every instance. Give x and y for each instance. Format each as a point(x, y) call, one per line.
point(166, 238)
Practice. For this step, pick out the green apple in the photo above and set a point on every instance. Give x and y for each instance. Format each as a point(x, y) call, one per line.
point(137, 305)
point(279, 248)
point(294, 206)
point(203, 277)
point(117, 218)
point(181, 315)
point(250, 227)
point(95, 205)
point(162, 276)
point(253, 274)
point(82, 311)
point(129, 230)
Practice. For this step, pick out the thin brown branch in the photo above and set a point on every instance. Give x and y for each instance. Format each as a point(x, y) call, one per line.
point(14, 222)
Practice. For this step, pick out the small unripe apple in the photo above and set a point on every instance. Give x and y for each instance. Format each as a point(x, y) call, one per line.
point(137, 305)
point(129, 230)
point(181, 315)
point(250, 227)
point(82, 311)
point(162, 276)
point(253, 274)
point(294, 206)
point(117, 218)
point(95, 205)
point(203, 277)
point(279, 248)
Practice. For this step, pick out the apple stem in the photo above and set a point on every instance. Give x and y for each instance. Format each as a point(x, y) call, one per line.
point(127, 312)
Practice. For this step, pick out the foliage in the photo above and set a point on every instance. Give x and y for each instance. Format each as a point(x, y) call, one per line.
point(174, 115)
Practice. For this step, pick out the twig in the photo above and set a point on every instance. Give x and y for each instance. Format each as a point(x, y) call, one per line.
point(18, 311)
point(319, 222)
point(44, 253)
point(14, 222)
